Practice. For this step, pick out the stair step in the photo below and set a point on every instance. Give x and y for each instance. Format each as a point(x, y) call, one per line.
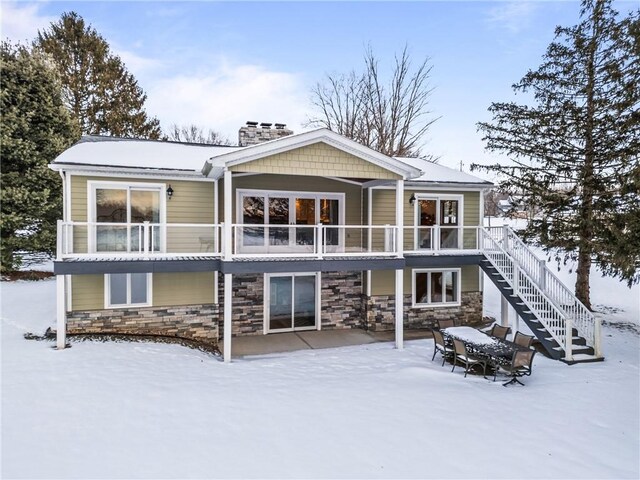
point(584, 358)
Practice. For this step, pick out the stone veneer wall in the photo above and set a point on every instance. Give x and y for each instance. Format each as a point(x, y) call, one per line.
point(380, 311)
point(192, 322)
point(341, 300)
point(247, 300)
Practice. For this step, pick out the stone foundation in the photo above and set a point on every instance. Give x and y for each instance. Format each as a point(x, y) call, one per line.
point(380, 312)
point(343, 306)
point(341, 300)
point(192, 322)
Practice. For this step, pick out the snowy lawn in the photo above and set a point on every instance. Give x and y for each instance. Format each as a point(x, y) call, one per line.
point(143, 410)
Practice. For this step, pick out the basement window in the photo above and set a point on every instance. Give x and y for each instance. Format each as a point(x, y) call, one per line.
point(435, 288)
point(127, 290)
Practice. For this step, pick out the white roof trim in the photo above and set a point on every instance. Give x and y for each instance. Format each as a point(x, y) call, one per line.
point(131, 172)
point(273, 147)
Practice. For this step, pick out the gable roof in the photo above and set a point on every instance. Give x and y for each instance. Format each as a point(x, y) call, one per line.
point(433, 173)
point(283, 144)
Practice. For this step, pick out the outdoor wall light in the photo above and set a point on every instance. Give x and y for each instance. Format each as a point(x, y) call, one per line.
point(169, 192)
point(412, 199)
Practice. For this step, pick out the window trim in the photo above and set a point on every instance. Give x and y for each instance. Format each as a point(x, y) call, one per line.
point(458, 287)
point(107, 292)
point(93, 185)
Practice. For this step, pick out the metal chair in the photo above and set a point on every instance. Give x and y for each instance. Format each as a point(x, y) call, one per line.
point(439, 345)
point(461, 353)
point(499, 331)
point(523, 340)
point(442, 324)
point(520, 366)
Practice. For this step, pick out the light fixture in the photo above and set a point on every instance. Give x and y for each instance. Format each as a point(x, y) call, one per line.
point(169, 192)
point(412, 199)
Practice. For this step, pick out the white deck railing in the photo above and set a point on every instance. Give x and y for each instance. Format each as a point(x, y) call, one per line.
point(438, 238)
point(101, 239)
point(583, 320)
point(317, 241)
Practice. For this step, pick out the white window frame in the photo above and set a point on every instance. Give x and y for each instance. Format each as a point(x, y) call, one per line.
point(291, 195)
point(438, 197)
point(267, 301)
point(93, 185)
point(107, 292)
point(414, 274)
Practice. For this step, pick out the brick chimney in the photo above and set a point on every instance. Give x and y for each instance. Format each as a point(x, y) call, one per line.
point(251, 134)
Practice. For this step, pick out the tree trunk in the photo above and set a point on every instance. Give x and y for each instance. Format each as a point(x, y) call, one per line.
point(582, 281)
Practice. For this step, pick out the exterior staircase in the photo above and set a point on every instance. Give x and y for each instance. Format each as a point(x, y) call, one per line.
point(565, 328)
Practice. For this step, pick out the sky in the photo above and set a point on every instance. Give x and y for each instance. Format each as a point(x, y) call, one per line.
point(220, 64)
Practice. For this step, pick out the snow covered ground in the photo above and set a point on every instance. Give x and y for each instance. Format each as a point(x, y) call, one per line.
point(144, 410)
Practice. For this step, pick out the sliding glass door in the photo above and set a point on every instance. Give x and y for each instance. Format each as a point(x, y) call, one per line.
point(285, 222)
point(292, 302)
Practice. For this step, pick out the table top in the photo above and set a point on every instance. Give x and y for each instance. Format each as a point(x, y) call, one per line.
point(483, 342)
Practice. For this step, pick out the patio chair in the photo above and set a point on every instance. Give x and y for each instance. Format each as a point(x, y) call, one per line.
point(439, 345)
point(520, 366)
point(523, 340)
point(462, 355)
point(499, 331)
point(442, 324)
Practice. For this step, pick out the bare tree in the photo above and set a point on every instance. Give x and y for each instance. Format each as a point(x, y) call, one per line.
point(194, 134)
point(390, 117)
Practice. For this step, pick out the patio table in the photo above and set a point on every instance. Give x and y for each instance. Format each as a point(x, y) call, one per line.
point(497, 350)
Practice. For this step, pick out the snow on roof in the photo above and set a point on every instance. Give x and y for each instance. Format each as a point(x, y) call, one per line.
point(146, 154)
point(434, 173)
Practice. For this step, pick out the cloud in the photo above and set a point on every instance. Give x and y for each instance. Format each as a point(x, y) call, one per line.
point(512, 16)
point(224, 98)
point(137, 64)
point(21, 22)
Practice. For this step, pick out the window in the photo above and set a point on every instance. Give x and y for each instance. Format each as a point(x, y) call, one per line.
point(127, 289)
point(281, 221)
point(438, 220)
point(436, 287)
point(120, 212)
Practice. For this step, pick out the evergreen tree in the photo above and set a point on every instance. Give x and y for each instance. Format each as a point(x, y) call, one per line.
point(101, 94)
point(575, 151)
point(34, 128)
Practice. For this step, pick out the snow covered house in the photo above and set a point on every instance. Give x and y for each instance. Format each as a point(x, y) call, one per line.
point(287, 232)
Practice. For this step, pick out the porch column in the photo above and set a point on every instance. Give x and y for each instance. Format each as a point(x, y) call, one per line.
point(228, 220)
point(400, 218)
point(399, 312)
point(216, 237)
point(399, 309)
point(61, 312)
point(228, 287)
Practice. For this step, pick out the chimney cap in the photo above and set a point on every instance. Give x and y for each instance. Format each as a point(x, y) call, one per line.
point(252, 124)
point(266, 125)
point(280, 126)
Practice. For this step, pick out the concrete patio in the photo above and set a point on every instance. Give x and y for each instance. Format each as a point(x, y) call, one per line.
point(313, 340)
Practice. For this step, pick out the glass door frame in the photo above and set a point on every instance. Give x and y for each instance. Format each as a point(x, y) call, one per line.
point(267, 302)
point(292, 247)
point(94, 185)
point(438, 198)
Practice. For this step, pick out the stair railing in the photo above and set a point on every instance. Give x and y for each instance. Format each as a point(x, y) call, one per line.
point(584, 321)
point(527, 289)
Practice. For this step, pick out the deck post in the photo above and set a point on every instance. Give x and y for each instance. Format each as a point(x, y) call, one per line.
point(504, 311)
point(400, 218)
point(61, 312)
point(228, 290)
point(399, 312)
point(228, 221)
